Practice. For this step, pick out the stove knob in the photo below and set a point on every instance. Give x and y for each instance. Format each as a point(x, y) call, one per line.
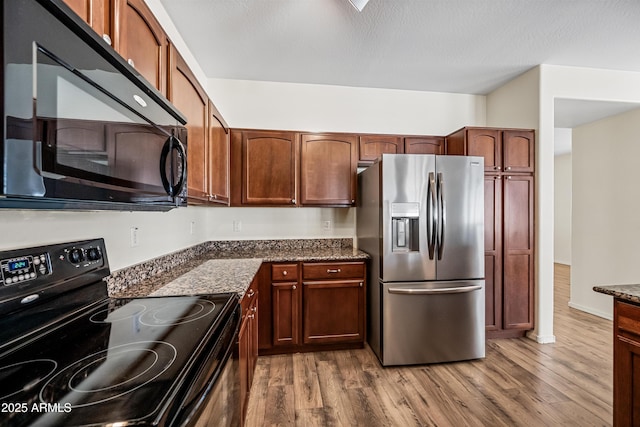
point(76, 255)
point(93, 254)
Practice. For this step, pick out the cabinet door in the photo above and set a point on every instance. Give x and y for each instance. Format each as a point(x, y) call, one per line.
point(518, 248)
point(95, 13)
point(286, 313)
point(218, 164)
point(140, 39)
point(328, 165)
point(333, 311)
point(253, 340)
point(191, 100)
point(373, 146)
point(518, 150)
point(493, 251)
point(424, 145)
point(243, 365)
point(485, 143)
point(269, 168)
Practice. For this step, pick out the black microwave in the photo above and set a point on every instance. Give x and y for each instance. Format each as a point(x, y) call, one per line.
point(82, 129)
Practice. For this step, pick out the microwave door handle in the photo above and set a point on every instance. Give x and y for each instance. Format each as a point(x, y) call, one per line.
point(432, 217)
point(442, 206)
point(173, 144)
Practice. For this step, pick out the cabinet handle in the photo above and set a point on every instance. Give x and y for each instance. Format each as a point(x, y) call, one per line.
point(107, 39)
point(353, 201)
point(337, 270)
point(284, 273)
point(360, 284)
point(130, 61)
point(508, 168)
point(251, 293)
point(293, 201)
point(509, 177)
point(497, 168)
point(254, 309)
point(251, 316)
point(294, 287)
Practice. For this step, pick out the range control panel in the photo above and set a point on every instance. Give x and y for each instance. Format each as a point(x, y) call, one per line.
point(16, 270)
point(47, 263)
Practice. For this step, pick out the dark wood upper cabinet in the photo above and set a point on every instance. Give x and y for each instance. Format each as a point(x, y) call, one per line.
point(518, 151)
point(508, 150)
point(263, 167)
point(328, 168)
point(424, 145)
point(96, 13)
point(191, 100)
point(140, 39)
point(373, 146)
point(218, 159)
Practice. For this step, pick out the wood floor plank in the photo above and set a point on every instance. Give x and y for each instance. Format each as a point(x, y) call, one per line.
point(306, 386)
point(518, 383)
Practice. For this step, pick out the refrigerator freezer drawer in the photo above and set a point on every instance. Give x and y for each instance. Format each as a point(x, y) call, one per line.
point(431, 322)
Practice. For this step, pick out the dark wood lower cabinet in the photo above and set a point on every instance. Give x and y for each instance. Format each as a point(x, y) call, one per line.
point(248, 344)
point(333, 311)
point(314, 306)
point(626, 364)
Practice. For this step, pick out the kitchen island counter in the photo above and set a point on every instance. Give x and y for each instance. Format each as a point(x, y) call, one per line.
point(628, 293)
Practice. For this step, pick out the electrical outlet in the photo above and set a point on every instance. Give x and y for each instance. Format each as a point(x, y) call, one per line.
point(326, 225)
point(134, 237)
point(237, 226)
point(192, 227)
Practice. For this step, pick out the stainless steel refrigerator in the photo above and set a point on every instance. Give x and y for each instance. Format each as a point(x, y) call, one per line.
point(421, 218)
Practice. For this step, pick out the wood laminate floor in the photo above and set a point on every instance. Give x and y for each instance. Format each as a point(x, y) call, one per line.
point(519, 383)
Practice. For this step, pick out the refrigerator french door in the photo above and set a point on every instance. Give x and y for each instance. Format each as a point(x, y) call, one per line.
point(421, 218)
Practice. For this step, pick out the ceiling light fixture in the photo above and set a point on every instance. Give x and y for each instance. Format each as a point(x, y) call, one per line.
point(359, 4)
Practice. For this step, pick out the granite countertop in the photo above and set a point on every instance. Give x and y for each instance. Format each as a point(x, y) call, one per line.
point(629, 293)
point(214, 276)
point(217, 267)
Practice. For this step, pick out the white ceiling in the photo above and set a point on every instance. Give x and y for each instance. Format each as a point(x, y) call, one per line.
point(460, 46)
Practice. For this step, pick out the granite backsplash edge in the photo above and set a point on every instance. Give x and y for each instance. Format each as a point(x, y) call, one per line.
point(130, 276)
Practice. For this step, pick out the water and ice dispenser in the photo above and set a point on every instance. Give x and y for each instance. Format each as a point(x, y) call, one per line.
point(405, 218)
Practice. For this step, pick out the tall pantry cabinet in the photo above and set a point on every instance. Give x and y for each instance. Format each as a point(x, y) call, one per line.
point(509, 223)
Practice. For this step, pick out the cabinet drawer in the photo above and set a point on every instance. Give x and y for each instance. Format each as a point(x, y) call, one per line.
point(281, 272)
point(332, 270)
point(628, 319)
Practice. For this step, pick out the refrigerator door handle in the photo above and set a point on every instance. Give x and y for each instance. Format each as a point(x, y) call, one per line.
point(440, 291)
point(442, 215)
point(432, 216)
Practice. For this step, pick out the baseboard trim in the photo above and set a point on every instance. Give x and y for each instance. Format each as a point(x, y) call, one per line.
point(591, 311)
point(541, 339)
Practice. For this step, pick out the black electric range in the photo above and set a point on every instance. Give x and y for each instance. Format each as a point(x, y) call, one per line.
point(72, 356)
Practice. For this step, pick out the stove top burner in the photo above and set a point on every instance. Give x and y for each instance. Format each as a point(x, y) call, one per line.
point(177, 312)
point(126, 311)
point(24, 376)
point(87, 381)
point(157, 311)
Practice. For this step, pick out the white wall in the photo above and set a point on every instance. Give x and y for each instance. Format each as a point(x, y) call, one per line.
point(159, 233)
point(312, 107)
point(585, 84)
point(562, 199)
point(606, 224)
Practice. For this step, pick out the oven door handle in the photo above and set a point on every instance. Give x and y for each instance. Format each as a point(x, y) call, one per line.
point(170, 145)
